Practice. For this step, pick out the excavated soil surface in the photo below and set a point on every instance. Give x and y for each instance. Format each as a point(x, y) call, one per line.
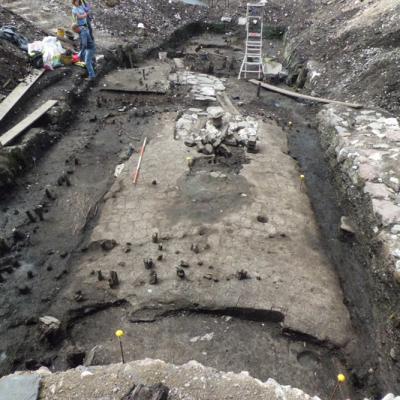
point(103, 131)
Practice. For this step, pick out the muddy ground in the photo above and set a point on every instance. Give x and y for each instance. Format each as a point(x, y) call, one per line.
point(14, 62)
point(100, 133)
point(99, 138)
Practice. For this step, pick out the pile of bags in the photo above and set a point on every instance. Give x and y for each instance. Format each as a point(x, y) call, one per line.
point(47, 53)
point(49, 50)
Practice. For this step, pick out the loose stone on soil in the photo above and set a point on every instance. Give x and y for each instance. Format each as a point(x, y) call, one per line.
point(50, 328)
point(345, 225)
point(108, 245)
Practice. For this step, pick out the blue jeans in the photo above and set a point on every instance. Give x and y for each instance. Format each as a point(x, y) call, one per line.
point(88, 55)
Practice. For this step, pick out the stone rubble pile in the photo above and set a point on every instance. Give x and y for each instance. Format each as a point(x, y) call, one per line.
point(116, 381)
point(364, 146)
point(188, 381)
point(211, 131)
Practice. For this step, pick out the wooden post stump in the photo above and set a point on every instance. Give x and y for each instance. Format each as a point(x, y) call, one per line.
point(113, 281)
point(154, 392)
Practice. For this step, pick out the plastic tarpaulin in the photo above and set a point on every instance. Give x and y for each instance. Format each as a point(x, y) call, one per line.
point(10, 33)
point(51, 49)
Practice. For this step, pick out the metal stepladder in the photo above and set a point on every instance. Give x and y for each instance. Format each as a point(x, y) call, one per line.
point(252, 61)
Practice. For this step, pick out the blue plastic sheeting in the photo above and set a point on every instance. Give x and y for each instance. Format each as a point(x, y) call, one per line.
point(10, 33)
point(194, 2)
point(19, 387)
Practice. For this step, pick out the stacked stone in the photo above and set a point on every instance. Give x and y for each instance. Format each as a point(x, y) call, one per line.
point(220, 129)
point(364, 147)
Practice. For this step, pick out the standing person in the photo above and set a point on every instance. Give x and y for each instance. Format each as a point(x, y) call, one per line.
point(88, 48)
point(88, 8)
point(79, 14)
point(81, 17)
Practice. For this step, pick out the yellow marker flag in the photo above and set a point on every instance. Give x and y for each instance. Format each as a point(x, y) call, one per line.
point(341, 378)
point(119, 333)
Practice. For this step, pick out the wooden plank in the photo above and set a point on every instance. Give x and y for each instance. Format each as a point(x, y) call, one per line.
point(12, 99)
point(14, 132)
point(143, 392)
point(302, 96)
point(226, 103)
point(179, 63)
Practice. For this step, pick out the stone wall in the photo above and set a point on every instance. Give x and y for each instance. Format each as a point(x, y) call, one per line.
point(363, 149)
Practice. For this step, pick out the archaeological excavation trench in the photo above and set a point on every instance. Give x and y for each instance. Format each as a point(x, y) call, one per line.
point(244, 245)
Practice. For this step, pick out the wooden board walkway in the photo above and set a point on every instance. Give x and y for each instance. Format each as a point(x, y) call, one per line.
point(14, 132)
point(12, 99)
point(139, 80)
point(302, 96)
